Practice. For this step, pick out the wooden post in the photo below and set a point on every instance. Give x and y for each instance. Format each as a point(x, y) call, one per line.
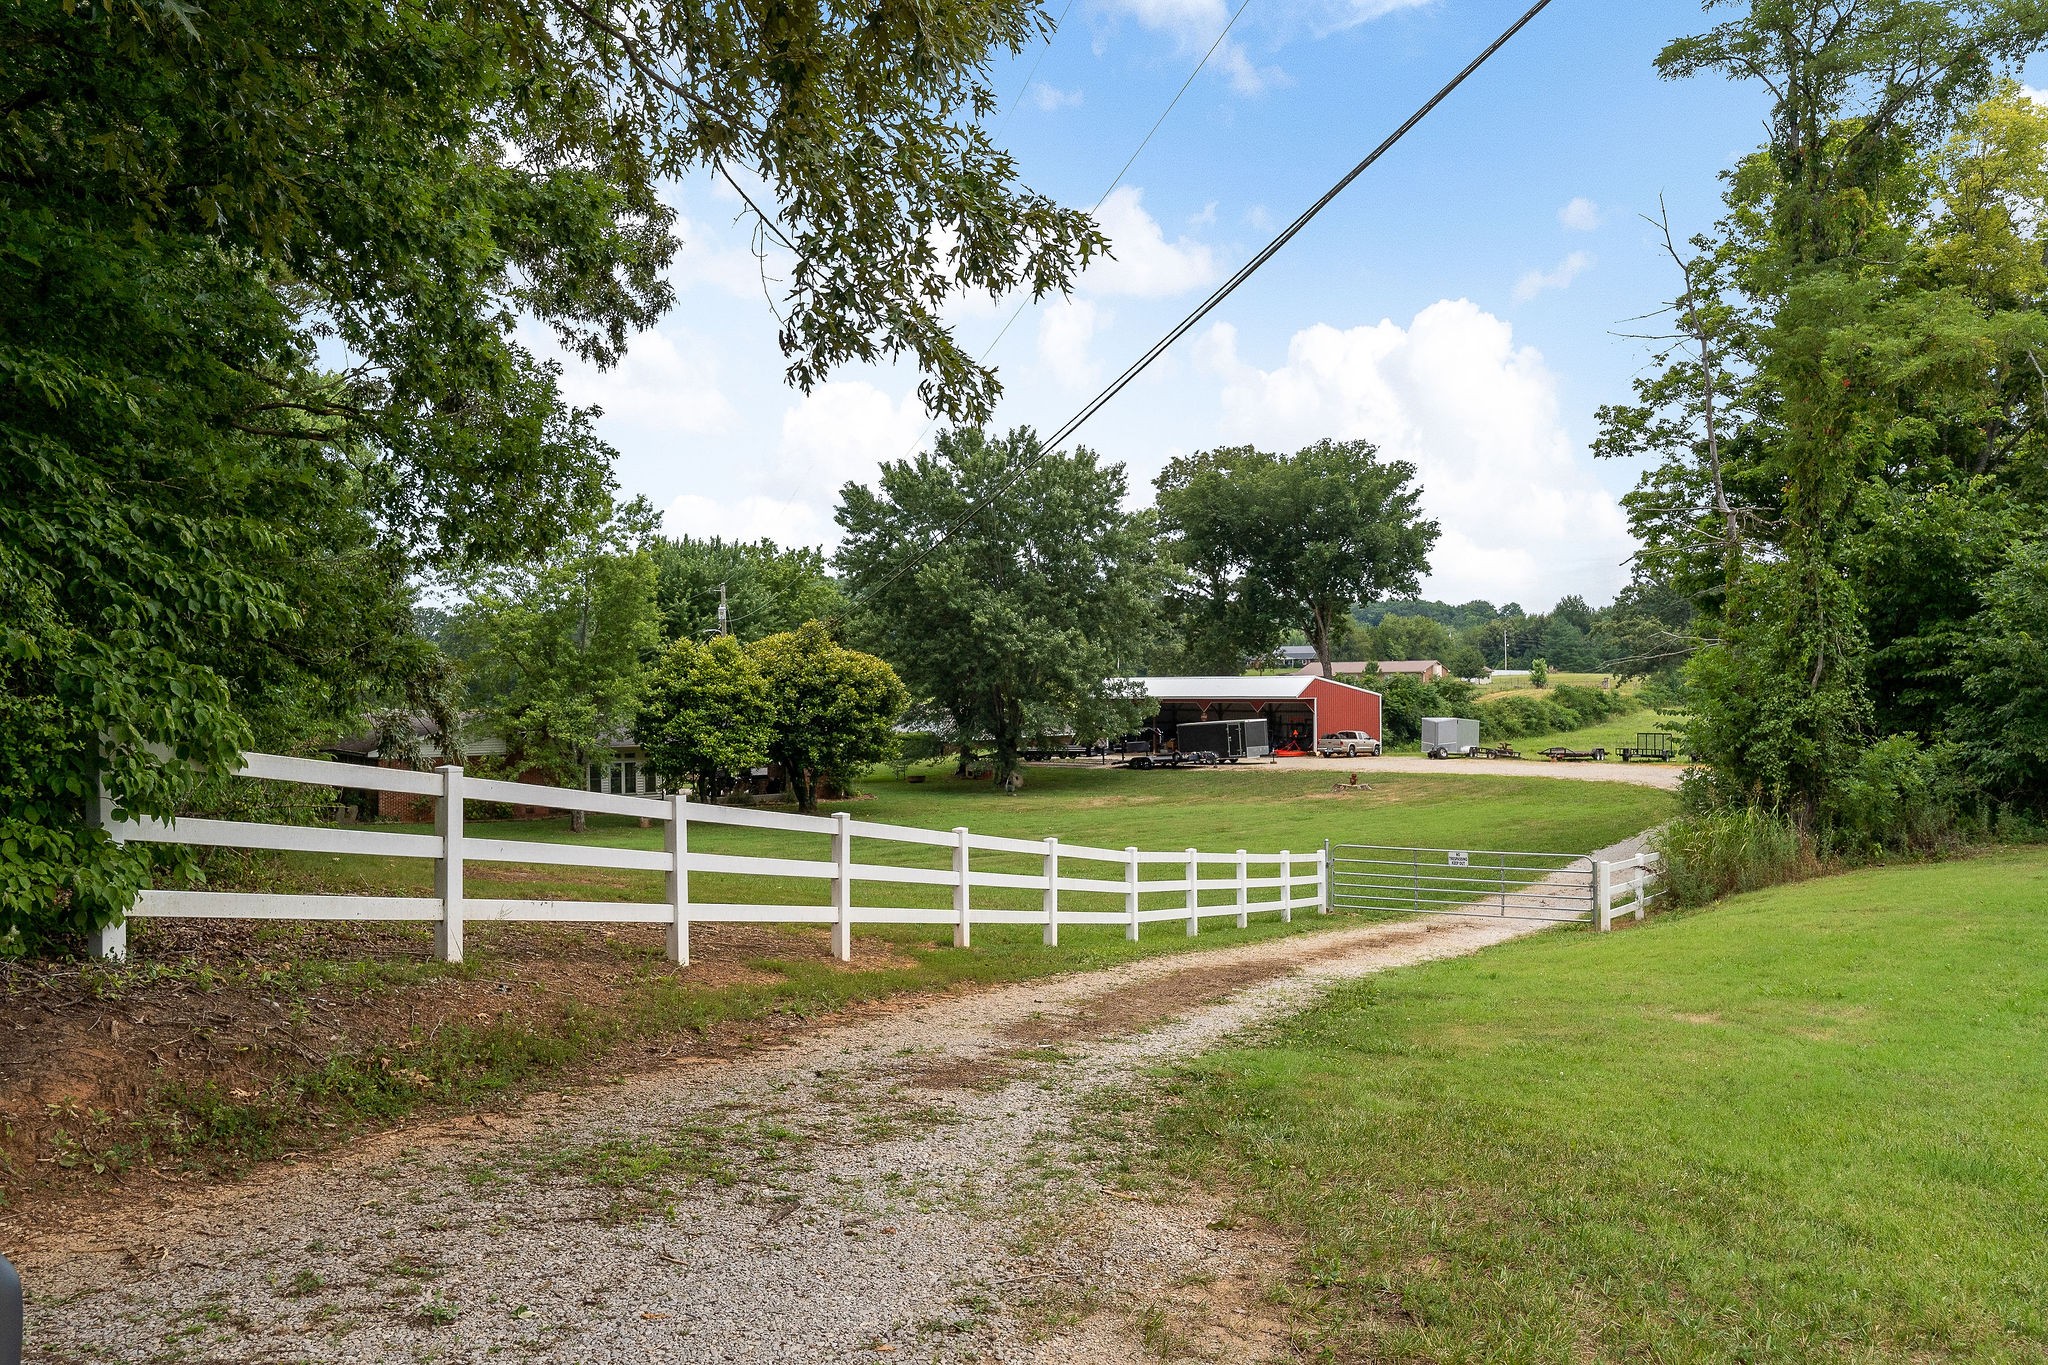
point(1052, 893)
point(960, 897)
point(1603, 896)
point(842, 888)
point(1244, 893)
point(448, 870)
point(1131, 892)
point(1286, 887)
point(679, 879)
point(1194, 893)
point(109, 942)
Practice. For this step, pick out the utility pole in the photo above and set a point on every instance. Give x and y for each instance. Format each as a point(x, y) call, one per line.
point(721, 611)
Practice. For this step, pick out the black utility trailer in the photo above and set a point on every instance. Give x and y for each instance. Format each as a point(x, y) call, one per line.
point(1228, 740)
point(1652, 746)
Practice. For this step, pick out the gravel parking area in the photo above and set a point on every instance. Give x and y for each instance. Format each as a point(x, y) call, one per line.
point(931, 1185)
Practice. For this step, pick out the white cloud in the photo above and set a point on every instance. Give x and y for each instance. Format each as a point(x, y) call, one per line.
point(1581, 215)
point(667, 382)
point(748, 518)
point(1559, 276)
point(1066, 328)
point(1194, 25)
point(1050, 99)
point(1206, 218)
point(1144, 263)
point(841, 432)
point(1522, 515)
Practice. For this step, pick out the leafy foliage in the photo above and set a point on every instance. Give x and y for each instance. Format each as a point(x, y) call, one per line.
point(705, 715)
point(208, 527)
point(1018, 623)
point(767, 589)
point(553, 649)
point(1264, 542)
point(832, 709)
point(1849, 418)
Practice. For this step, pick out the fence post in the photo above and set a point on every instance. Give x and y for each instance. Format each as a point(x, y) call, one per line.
point(1052, 893)
point(1286, 887)
point(1603, 896)
point(1131, 891)
point(842, 888)
point(1244, 893)
point(960, 897)
point(1323, 880)
point(679, 879)
point(448, 871)
point(10, 1313)
point(109, 942)
point(1194, 893)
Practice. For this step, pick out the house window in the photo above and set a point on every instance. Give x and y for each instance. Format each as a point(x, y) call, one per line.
point(622, 778)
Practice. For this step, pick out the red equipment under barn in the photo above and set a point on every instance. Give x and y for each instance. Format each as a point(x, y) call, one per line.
point(1296, 710)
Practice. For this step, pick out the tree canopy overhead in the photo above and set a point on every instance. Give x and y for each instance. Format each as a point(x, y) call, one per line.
point(261, 271)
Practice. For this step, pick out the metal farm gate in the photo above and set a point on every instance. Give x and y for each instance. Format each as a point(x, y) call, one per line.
point(1482, 883)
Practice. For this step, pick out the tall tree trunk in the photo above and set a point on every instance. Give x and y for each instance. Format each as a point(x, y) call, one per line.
point(576, 817)
point(1319, 636)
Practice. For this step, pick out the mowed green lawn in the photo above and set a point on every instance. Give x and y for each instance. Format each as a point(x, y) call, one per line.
point(1215, 811)
point(1809, 1124)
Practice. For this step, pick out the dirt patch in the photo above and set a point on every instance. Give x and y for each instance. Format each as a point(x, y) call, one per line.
point(1169, 995)
point(102, 1070)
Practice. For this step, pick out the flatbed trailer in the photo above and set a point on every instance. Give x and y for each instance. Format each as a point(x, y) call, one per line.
point(1652, 746)
point(1560, 754)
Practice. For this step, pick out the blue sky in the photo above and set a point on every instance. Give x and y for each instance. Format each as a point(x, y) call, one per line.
point(1459, 305)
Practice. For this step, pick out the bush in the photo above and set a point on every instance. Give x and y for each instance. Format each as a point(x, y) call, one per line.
point(1720, 853)
point(1564, 707)
point(1900, 797)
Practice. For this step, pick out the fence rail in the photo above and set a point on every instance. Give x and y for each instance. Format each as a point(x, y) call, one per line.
point(1298, 881)
point(1625, 887)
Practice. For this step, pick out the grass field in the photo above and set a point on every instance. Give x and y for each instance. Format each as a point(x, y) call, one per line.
point(1811, 1124)
point(1215, 811)
point(1498, 684)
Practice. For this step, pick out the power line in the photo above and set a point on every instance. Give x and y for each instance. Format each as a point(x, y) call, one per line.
point(1102, 198)
point(1222, 292)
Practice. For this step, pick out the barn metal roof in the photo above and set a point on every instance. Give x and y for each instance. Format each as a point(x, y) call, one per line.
point(1290, 687)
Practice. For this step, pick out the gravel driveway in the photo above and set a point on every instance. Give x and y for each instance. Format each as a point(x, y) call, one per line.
point(929, 1185)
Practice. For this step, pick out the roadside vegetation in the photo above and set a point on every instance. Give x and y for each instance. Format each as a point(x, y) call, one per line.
point(242, 1042)
point(1799, 1127)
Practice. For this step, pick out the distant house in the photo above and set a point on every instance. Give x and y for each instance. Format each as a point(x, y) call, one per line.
point(1422, 670)
point(621, 770)
point(1294, 656)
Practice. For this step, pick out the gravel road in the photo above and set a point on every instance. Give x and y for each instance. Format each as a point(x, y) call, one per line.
point(924, 1185)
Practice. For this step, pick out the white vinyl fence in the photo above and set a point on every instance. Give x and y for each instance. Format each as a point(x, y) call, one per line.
point(1624, 887)
point(1207, 884)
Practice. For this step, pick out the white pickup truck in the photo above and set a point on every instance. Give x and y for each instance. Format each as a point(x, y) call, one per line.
point(1347, 744)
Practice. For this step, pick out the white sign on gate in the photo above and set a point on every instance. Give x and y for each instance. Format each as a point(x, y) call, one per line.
point(1460, 859)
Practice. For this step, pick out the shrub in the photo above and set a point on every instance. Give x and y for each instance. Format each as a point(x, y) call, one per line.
point(1900, 797)
point(1712, 854)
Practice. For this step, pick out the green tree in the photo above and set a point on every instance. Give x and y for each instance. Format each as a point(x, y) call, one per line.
point(1869, 317)
point(833, 710)
point(1539, 672)
point(2004, 666)
point(767, 589)
point(705, 715)
point(1272, 541)
point(1003, 583)
point(555, 652)
point(199, 203)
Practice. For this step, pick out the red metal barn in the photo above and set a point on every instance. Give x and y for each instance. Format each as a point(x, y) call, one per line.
point(1297, 710)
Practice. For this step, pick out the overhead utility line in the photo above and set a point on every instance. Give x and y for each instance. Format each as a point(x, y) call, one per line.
point(1108, 190)
point(1222, 292)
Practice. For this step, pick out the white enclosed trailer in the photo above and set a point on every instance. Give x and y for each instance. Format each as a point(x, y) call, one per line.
point(1449, 737)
